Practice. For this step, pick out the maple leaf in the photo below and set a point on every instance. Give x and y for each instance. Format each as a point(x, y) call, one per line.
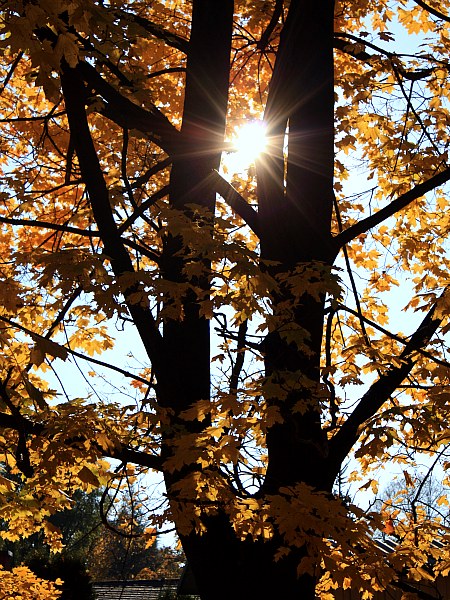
point(117, 217)
point(45, 346)
point(87, 476)
point(67, 48)
point(389, 528)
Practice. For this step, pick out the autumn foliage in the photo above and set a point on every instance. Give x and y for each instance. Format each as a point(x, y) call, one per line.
point(22, 583)
point(243, 334)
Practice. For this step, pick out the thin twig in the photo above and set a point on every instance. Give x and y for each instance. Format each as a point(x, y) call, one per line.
point(74, 352)
point(11, 72)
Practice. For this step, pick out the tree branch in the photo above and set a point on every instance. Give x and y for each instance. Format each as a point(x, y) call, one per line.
point(63, 312)
point(395, 206)
point(140, 210)
point(128, 115)
point(10, 73)
point(65, 349)
point(169, 38)
point(240, 358)
point(53, 226)
point(166, 72)
point(325, 376)
point(350, 275)
point(137, 457)
point(145, 177)
point(432, 11)
point(84, 232)
point(340, 43)
point(265, 36)
point(72, 86)
point(144, 251)
point(235, 201)
point(348, 48)
point(22, 453)
point(32, 118)
point(10, 422)
point(410, 106)
point(393, 336)
point(122, 453)
point(341, 444)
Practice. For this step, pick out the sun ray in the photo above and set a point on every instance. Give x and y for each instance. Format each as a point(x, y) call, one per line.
point(247, 143)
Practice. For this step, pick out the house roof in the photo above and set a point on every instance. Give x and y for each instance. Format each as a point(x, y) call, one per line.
point(142, 589)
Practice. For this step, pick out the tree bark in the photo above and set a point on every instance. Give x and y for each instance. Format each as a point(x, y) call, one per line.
point(296, 201)
point(295, 228)
point(198, 153)
point(226, 567)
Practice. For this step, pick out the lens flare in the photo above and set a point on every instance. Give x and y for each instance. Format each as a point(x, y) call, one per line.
point(248, 142)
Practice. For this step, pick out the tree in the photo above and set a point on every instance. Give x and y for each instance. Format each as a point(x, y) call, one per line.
point(114, 119)
point(117, 557)
point(122, 550)
point(106, 540)
point(80, 528)
point(420, 498)
point(70, 572)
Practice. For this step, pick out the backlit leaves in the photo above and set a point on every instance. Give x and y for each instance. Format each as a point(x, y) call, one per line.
point(22, 583)
point(63, 300)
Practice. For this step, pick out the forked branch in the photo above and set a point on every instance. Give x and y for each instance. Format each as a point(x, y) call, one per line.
point(356, 47)
point(122, 453)
point(128, 115)
point(267, 33)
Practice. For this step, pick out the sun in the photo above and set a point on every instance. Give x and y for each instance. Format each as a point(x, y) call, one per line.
point(250, 141)
point(247, 143)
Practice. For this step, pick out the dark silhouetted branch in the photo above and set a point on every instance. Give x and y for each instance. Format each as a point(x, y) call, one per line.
point(53, 226)
point(72, 86)
point(395, 206)
point(235, 201)
point(265, 37)
point(128, 115)
point(169, 38)
point(380, 391)
point(432, 11)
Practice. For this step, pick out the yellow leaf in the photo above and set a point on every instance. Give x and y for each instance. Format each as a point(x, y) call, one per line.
point(87, 476)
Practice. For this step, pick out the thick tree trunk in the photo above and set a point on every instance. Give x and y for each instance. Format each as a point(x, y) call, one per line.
point(295, 220)
point(225, 567)
point(202, 134)
point(295, 211)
